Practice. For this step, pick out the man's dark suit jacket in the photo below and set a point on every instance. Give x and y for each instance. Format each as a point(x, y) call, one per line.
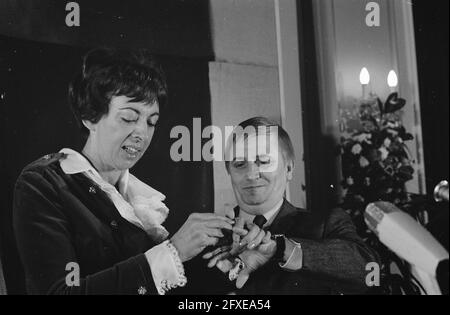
point(334, 256)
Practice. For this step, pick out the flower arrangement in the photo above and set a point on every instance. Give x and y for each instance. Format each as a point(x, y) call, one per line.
point(376, 164)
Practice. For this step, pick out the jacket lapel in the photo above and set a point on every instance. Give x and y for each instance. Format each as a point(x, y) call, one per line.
point(284, 221)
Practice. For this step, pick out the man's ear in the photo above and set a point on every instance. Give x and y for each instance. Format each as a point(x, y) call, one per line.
point(89, 125)
point(290, 170)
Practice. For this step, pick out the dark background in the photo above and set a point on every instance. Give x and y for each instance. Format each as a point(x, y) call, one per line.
point(431, 30)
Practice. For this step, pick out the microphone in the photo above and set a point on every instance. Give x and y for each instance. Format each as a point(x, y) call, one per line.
point(441, 192)
point(406, 238)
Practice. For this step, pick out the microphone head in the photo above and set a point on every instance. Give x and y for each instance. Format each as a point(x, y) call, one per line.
point(375, 213)
point(405, 236)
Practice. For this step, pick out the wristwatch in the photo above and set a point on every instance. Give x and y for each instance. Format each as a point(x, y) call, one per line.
point(280, 239)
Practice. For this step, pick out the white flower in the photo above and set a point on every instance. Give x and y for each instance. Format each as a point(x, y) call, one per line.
point(384, 153)
point(364, 137)
point(393, 124)
point(350, 181)
point(387, 142)
point(363, 162)
point(356, 149)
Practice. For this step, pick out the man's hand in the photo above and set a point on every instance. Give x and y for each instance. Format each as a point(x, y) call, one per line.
point(255, 249)
point(256, 258)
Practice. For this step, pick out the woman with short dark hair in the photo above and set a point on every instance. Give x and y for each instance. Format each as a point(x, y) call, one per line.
point(83, 223)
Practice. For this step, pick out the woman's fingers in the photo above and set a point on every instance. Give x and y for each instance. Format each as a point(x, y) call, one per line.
point(229, 213)
point(240, 222)
point(212, 220)
point(199, 231)
point(209, 241)
point(248, 239)
point(212, 216)
point(213, 232)
point(239, 226)
point(216, 252)
point(220, 218)
point(217, 258)
point(266, 238)
point(239, 232)
point(258, 239)
point(218, 224)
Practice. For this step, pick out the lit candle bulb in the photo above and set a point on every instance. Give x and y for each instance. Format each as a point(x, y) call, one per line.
point(392, 81)
point(364, 79)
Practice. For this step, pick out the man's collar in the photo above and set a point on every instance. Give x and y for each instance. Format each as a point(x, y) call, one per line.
point(281, 220)
point(269, 215)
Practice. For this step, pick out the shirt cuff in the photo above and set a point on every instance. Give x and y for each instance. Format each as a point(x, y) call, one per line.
point(166, 267)
point(295, 260)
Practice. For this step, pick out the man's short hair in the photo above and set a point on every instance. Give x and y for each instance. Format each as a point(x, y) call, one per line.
point(283, 138)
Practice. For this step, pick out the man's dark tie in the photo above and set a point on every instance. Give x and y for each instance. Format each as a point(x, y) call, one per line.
point(260, 220)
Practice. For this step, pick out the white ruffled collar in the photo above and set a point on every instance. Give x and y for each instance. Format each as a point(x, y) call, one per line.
point(128, 183)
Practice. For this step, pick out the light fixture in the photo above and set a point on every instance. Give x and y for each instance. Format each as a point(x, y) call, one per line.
point(364, 76)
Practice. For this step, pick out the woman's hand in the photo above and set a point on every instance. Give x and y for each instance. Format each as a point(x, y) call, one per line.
point(239, 232)
point(199, 231)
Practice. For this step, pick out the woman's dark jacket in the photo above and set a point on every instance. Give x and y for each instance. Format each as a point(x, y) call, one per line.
point(62, 219)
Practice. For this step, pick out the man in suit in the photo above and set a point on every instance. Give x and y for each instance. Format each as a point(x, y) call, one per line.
point(287, 250)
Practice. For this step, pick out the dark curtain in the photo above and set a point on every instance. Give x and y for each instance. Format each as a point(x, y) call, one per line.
point(431, 33)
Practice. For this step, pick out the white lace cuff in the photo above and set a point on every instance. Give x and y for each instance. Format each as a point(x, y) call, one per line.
point(166, 266)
